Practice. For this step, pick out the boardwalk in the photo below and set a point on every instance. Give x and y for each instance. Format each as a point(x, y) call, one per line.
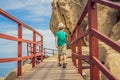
point(49, 70)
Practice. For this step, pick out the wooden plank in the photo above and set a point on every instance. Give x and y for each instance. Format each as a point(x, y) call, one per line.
point(49, 70)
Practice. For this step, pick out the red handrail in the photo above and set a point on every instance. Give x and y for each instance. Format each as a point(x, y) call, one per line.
point(20, 40)
point(51, 51)
point(94, 35)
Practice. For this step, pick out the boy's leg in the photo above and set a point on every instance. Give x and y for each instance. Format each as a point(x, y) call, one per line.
point(64, 61)
point(64, 53)
point(59, 59)
point(64, 58)
point(59, 56)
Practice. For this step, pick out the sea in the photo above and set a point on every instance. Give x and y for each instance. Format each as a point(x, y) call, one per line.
point(6, 68)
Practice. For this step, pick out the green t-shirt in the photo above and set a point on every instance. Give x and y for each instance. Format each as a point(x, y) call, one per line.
point(62, 36)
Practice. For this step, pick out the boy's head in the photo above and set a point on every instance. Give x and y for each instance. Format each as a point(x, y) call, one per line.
point(61, 26)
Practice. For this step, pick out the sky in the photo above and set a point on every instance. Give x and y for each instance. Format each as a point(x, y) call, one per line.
point(35, 13)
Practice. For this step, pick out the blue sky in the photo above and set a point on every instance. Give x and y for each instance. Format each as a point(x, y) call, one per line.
point(35, 13)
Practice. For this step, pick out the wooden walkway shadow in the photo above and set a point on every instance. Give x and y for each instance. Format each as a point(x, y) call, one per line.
point(49, 70)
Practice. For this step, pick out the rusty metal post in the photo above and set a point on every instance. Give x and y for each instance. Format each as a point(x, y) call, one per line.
point(34, 50)
point(79, 44)
point(92, 16)
point(27, 49)
point(44, 53)
point(39, 48)
point(42, 48)
point(74, 49)
point(31, 48)
point(19, 69)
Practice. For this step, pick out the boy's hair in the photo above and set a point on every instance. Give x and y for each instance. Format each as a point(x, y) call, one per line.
point(61, 26)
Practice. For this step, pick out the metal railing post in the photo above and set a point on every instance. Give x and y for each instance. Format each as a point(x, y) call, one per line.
point(79, 44)
point(19, 69)
point(27, 49)
point(74, 49)
point(34, 49)
point(92, 17)
point(42, 48)
point(44, 53)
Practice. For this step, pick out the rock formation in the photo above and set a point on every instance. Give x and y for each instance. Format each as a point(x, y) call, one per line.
point(68, 12)
point(115, 33)
point(111, 58)
point(107, 18)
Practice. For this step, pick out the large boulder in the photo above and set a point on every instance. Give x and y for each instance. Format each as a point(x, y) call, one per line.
point(115, 34)
point(103, 48)
point(68, 12)
point(110, 58)
point(113, 64)
point(107, 18)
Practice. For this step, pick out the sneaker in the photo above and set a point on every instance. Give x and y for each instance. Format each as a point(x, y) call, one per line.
point(64, 65)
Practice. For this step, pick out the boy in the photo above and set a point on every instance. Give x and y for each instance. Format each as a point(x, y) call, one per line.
point(60, 38)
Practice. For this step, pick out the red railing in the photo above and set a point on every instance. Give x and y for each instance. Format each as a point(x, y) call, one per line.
point(35, 52)
point(94, 35)
point(48, 51)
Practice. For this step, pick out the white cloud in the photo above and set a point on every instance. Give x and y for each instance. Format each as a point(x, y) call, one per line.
point(33, 11)
point(11, 46)
point(49, 39)
point(39, 10)
point(8, 47)
point(11, 4)
point(46, 1)
point(40, 7)
point(33, 19)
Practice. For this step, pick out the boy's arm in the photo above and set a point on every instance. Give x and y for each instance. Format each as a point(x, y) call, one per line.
point(56, 39)
point(67, 37)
